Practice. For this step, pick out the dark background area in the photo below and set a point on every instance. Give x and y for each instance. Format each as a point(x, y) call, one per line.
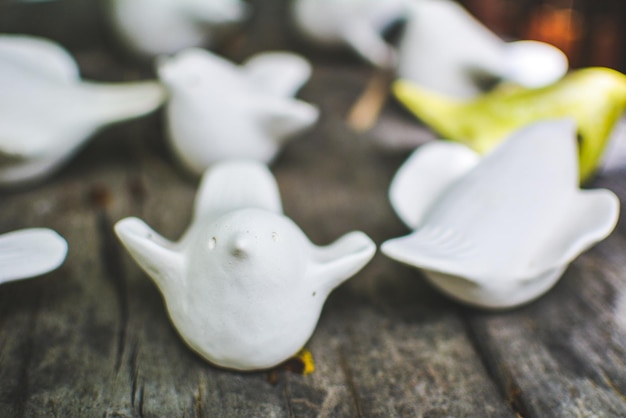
point(590, 32)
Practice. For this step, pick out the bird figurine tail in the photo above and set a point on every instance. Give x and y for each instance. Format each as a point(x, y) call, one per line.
point(108, 103)
point(280, 74)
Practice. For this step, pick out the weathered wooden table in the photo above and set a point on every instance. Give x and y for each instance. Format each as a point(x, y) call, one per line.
point(93, 338)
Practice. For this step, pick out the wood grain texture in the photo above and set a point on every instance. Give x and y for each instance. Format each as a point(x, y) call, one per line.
point(92, 339)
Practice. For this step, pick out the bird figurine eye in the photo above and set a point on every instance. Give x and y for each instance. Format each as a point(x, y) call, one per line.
point(275, 237)
point(212, 243)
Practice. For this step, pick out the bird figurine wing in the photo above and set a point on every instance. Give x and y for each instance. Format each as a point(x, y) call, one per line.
point(40, 54)
point(428, 173)
point(24, 58)
point(283, 117)
point(30, 252)
point(592, 216)
point(334, 263)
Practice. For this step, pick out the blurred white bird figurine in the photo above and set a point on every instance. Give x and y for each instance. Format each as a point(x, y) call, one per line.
point(356, 23)
point(244, 286)
point(498, 232)
point(154, 27)
point(447, 50)
point(30, 252)
point(218, 110)
point(47, 113)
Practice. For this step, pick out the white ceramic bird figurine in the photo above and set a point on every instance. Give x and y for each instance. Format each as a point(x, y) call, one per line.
point(30, 252)
point(47, 113)
point(244, 286)
point(154, 27)
point(355, 23)
point(498, 232)
point(445, 49)
point(218, 110)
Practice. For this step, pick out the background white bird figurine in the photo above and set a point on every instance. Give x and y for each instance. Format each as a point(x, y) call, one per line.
point(445, 49)
point(244, 286)
point(500, 231)
point(356, 23)
point(47, 112)
point(30, 252)
point(154, 27)
point(218, 110)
